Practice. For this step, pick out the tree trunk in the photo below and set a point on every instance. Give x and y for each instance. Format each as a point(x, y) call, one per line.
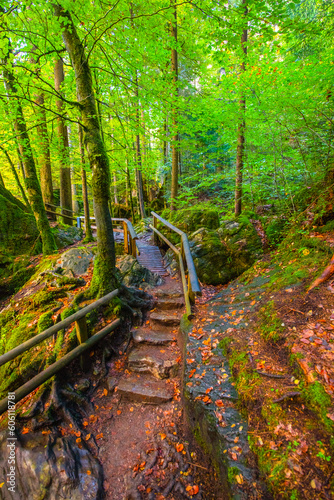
point(65, 172)
point(139, 177)
point(241, 126)
point(31, 180)
point(88, 229)
point(104, 277)
point(165, 142)
point(174, 141)
point(17, 179)
point(45, 170)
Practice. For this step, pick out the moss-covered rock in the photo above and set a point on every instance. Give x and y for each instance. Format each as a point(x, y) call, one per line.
point(222, 255)
point(66, 235)
point(76, 260)
point(136, 275)
point(191, 219)
point(18, 229)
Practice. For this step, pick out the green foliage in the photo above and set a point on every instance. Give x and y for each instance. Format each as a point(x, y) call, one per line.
point(318, 399)
point(269, 324)
point(44, 322)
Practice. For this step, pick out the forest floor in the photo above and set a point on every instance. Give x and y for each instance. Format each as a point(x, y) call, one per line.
point(279, 342)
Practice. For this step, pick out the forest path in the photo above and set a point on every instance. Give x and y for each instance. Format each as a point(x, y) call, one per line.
point(143, 438)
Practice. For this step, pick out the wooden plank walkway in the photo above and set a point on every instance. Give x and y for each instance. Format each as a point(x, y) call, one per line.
point(150, 257)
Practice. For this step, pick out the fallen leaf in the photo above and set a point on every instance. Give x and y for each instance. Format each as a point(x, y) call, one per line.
point(179, 447)
point(87, 437)
point(239, 478)
point(209, 389)
point(219, 403)
point(99, 436)
point(88, 472)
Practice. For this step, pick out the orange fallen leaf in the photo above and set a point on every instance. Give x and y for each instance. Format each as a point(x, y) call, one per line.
point(209, 389)
point(105, 392)
point(87, 437)
point(99, 436)
point(78, 440)
point(179, 447)
point(25, 430)
point(88, 472)
point(119, 412)
point(219, 403)
point(162, 436)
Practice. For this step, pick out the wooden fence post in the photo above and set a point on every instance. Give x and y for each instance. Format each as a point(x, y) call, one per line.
point(155, 236)
point(82, 336)
point(126, 241)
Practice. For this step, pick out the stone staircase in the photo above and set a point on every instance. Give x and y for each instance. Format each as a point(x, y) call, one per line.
point(153, 359)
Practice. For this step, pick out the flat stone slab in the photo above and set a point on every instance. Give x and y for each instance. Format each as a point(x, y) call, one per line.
point(152, 337)
point(170, 303)
point(170, 294)
point(161, 363)
point(145, 389)
point(165, 319)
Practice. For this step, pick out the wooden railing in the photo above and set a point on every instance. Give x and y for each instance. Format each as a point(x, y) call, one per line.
point(130, 235)
point(193, 287)
point(84, 341)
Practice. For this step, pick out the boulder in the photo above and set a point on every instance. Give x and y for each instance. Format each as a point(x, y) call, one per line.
point(18, 229)
point(49, 469)
point(75, 260)
point(222, 255)
point(67, 235)
point(136, 275)
point(189, 220)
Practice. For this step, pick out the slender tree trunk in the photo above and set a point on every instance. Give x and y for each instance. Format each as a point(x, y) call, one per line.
point(174, 141)
point(31, 180)
point(88, 229)
point(241, 126)
point(65, 171)
point(45, 170)
point(165, 142)
point(139, 177)
point(16, 177)
point(104, 277)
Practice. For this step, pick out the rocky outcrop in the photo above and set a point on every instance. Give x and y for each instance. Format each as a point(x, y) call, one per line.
point(18, 230)
point(222, 255)
point(76, 260)
point(50, 468)
point(67, 235)
point(136, 275)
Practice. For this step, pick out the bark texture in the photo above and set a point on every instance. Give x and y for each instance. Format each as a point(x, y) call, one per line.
point(174, 142)
point(45, 159)
point(31, 180)
point(88, 229)
point(65, 171)
point(104, 277)
point(241, 126)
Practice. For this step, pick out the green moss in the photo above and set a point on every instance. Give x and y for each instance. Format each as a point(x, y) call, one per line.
point(231, 473)
point(224, 343)
point(318, 399)
point(269, 324)
point(42, 297)
point(66, 313)
point(45, 321)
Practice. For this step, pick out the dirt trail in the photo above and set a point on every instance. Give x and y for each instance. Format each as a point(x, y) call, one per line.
point(144, 448)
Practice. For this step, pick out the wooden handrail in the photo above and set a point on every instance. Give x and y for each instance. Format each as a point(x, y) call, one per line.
point(183, 274)
point(194, 287)
point(49, 372)
point(85, 343)
point(25, 346)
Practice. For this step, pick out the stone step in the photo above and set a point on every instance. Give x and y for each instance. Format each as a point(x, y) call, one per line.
point(144, 389)
point(161, 363)
point(168, 303)
point(152, 337)
point(165, 319)
point(170, 294)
